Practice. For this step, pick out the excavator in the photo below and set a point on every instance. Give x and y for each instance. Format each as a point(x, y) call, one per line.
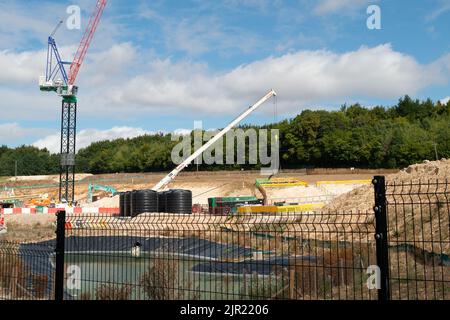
point(97, 187)
point(44, 200)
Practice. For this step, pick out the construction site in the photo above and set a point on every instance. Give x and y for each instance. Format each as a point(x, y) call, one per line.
point(293, 191)
point(309, 233)
point(260, 220)
point(215, 193)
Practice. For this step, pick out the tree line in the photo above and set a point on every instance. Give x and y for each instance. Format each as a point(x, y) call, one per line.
point(354, 136)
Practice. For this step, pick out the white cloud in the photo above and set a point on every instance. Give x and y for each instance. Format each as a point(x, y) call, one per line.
point(13, 133)
point(21, 98)
point(20, 68)
point(444, 6)
point(19, 24)
point(25, 23)
point(88, 136)
point(182, 132)
point(108, 66)
point(10, 131)
point(205, 34)
point(301, 78)
point(445, 100)
point(123, 82)
point(325, 7)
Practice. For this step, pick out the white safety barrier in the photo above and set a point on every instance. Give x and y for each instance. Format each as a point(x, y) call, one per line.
point(77, 210)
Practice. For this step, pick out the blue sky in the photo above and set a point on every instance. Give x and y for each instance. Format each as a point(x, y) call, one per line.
point(161, 65)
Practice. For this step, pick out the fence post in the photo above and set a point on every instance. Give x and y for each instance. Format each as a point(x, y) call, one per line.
point(59, 251)
point(381, 236)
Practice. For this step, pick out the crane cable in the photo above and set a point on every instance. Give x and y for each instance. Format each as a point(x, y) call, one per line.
point(57, 27)
point(210, 190)
point(275, 109)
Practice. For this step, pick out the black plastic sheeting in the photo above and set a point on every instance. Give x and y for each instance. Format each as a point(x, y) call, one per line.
point(261, 267)
point(38, 257)
point(186, 246)
point(199, 248)
point(42, 263)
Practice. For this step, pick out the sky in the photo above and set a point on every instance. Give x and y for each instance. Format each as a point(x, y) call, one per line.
point(158, 66)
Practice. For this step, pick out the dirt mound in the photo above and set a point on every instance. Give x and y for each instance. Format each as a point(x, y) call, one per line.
point(109, 202)
point(293, 192)
point(417, 212)
point(362, 198)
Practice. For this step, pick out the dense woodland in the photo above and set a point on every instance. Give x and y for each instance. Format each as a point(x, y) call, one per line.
point(354, 136)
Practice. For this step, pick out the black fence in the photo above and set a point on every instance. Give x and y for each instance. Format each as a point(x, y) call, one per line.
point(26, 271)
point(418, 240)
point(398, 251)
point(166, 256)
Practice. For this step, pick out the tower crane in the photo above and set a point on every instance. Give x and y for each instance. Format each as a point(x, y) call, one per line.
point(58, 80)
point(172, 175)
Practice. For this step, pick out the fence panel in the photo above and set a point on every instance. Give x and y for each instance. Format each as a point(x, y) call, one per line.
point(203, 257)
point(26, 268)
point(418, 224)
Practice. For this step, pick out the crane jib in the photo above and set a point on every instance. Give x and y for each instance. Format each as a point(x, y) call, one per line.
point(86, 40)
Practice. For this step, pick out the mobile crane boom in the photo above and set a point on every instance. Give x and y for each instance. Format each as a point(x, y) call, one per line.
point(167, 179)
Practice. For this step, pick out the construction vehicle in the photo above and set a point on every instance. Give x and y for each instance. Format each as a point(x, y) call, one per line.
point(58, 80)
point(40, 202)
point(229, 205)
point(6, 205)
point(172, 175)
point(16, 201)
point(97, 187)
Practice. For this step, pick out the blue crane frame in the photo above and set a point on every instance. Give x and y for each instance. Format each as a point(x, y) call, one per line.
point(53, 71)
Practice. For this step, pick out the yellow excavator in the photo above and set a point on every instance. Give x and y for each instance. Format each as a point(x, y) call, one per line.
point(43, 201)
point(40, 202)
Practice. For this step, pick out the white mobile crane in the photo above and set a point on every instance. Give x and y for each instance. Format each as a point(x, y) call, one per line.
point(171, 176)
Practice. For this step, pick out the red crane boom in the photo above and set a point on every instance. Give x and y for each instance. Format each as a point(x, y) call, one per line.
point(86, 40)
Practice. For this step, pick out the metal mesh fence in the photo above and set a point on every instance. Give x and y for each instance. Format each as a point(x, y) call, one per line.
point(26, 271)
point(419, 243)
point(204, 257)
point(232, 255)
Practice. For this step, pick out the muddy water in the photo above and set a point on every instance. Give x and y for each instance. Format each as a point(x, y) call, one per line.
point(87, 271)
